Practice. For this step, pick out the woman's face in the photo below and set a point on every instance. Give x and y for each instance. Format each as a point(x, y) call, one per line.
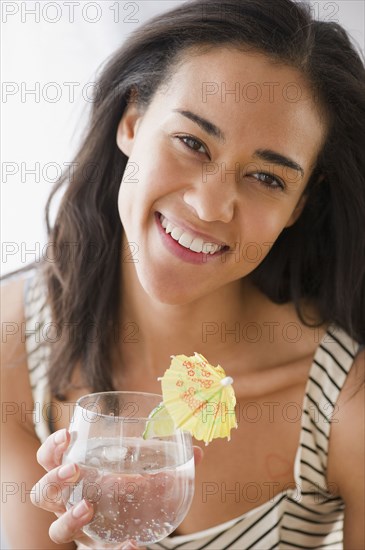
point(220, 157)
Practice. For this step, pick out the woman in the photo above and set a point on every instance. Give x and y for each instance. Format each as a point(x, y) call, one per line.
point(216, 207)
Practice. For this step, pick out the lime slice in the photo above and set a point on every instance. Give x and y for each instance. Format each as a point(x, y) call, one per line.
point(160, 423)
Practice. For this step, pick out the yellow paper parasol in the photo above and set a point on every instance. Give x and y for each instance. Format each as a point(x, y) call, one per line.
point(199, 397)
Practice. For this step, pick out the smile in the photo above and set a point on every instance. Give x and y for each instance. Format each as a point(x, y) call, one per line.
point(187, 240)
point(185, 244)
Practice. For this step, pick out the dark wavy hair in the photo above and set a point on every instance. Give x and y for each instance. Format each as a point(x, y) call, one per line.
point(321, 258)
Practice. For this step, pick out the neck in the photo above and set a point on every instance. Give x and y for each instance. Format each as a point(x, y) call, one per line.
point(161, 330)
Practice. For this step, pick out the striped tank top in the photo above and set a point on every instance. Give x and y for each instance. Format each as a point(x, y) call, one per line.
point(306, 516)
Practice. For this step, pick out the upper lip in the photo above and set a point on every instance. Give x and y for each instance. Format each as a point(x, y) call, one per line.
point(195, 232)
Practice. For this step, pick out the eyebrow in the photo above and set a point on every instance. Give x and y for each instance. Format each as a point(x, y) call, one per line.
point(276, 158)
point(263, 154)
point(204, 124)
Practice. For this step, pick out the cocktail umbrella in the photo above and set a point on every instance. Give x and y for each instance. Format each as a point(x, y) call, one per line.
point(199, 397)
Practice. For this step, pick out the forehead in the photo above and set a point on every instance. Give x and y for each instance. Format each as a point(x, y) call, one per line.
point(247, 94)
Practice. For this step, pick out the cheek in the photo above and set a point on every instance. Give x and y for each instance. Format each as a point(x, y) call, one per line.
point(124, 203)
point(164, 170)
point(120, 204)
point(152, 174)
point(261, 226)
point(147, 178)
point(263, 222)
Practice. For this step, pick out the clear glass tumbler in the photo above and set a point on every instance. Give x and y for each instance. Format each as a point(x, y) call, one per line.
point(141, 489)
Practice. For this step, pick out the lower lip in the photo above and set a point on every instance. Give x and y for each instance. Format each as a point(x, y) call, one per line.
point(181, 252)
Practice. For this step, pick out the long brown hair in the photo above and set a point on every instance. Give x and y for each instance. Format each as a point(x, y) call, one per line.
point(321, 257)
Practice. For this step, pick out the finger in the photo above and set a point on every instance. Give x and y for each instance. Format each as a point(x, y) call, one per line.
point(68, 526)
point(198, 455)
point(130, 545)
point(51, 490)
point(127, 545)
point(50, 453)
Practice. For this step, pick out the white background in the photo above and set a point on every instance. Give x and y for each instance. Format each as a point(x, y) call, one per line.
point(35, 129)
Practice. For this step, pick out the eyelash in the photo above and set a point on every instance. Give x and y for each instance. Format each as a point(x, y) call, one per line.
point(280, 186)
point(191, 138)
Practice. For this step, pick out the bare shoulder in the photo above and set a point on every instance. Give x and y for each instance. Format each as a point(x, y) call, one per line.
point(16, 390)
point(347, 451)
point(12, 317)
point(19, 442)
point(347, 428)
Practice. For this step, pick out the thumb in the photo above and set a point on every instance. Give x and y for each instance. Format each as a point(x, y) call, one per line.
point(198, 455)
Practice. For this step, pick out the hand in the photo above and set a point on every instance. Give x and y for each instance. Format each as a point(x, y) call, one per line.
point(47, 494)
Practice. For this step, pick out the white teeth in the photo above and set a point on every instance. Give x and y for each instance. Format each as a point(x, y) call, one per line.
point(176, 233)
point(169, 227)
point(197, 245)
point(209, 248)
point(187, 240)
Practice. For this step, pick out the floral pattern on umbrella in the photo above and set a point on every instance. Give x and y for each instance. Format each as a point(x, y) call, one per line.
point(199, 397)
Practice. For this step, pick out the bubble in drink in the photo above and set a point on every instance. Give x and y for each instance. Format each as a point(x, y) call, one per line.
point(140, 490)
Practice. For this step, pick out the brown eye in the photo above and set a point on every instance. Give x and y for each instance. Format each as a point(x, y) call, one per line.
point(270, 181)
point(192, 144)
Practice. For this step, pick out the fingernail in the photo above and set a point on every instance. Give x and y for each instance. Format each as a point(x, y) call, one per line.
point(60, 437)
point(81, 509)
point(66, 471)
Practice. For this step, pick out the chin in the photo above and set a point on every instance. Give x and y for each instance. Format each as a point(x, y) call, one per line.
point(167, 290)
point(169, 294)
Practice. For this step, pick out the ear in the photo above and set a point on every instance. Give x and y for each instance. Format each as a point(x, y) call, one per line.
point(297, 210)
point(127, 128)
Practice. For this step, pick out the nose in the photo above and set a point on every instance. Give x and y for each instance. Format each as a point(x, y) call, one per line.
point(213, 198)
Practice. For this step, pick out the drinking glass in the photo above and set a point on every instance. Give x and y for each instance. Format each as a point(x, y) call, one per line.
point(141, 488)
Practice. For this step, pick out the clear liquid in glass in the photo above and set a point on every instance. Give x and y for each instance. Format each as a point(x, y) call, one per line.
point(140, 489)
